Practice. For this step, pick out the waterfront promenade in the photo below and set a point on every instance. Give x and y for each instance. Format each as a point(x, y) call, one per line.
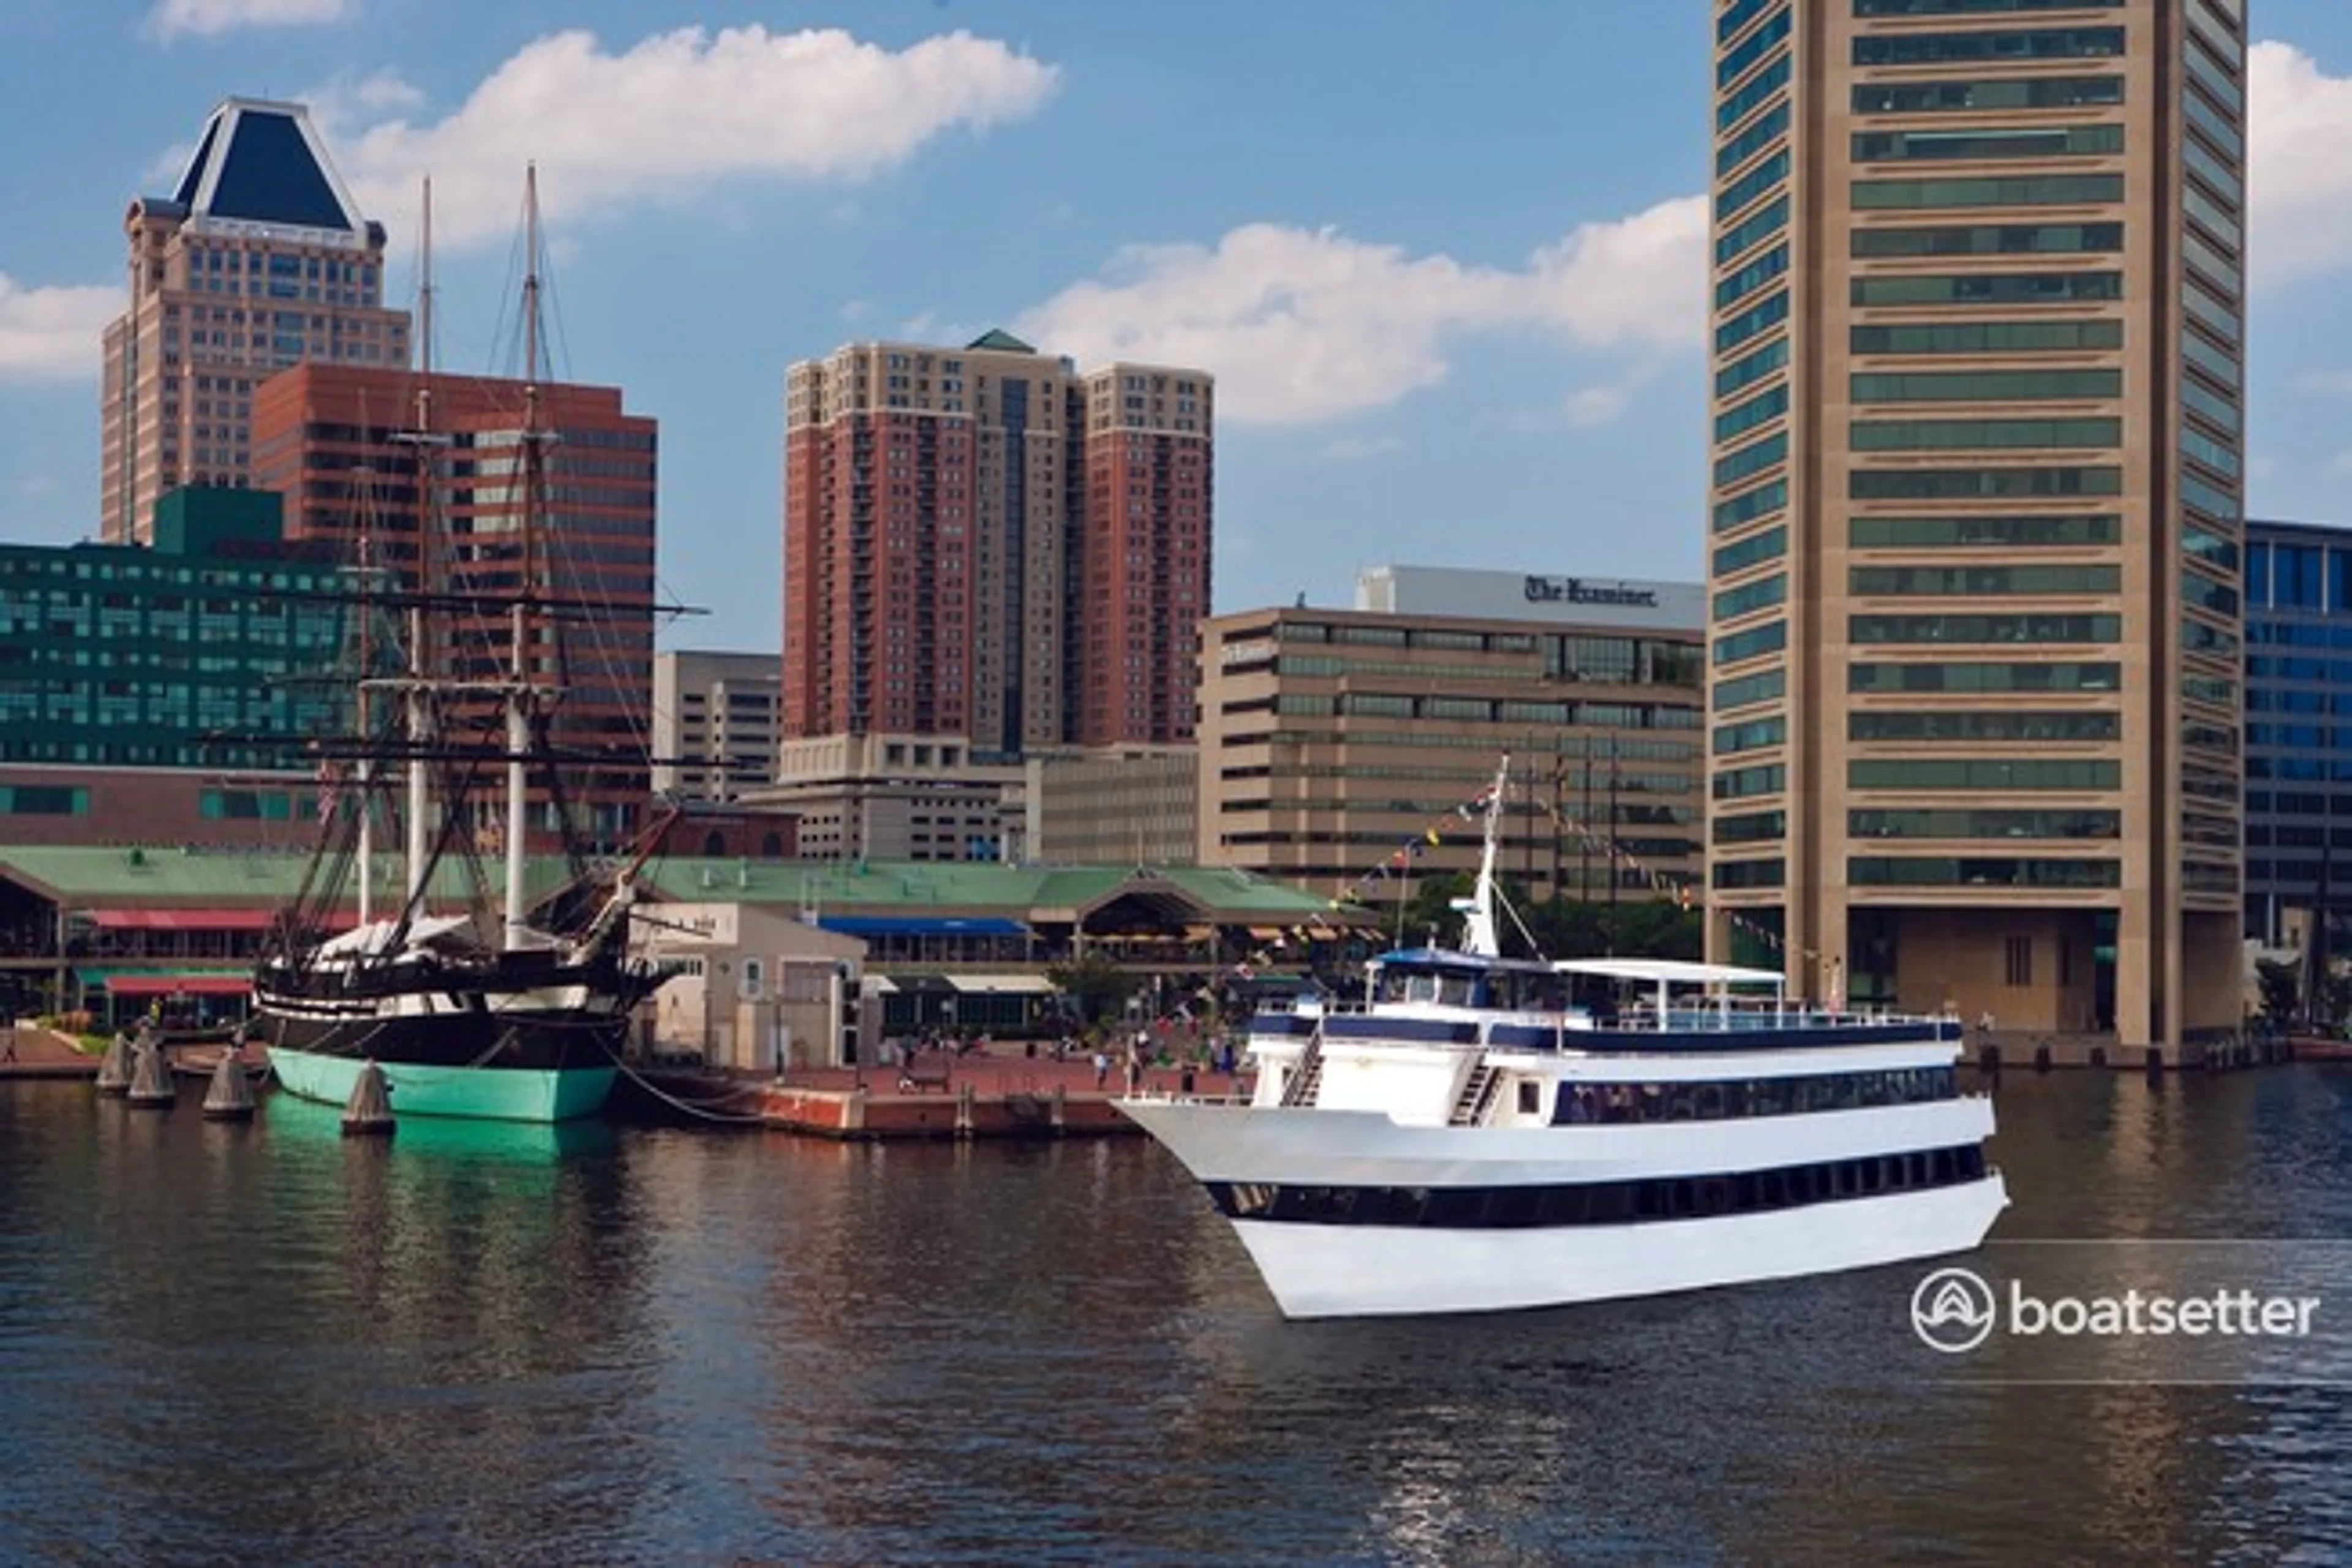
point(998, 1092)
point(29, 1051)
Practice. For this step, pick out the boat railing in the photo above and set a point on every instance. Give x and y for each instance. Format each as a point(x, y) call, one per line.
point(1702, 1020)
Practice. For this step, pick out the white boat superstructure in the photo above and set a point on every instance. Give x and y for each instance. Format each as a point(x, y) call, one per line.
point(1470, 1139)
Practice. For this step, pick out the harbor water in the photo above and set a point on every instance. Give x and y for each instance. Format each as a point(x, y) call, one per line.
point(475, 1343)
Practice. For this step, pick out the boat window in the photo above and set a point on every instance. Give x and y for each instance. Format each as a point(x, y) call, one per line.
point(1530, 1096)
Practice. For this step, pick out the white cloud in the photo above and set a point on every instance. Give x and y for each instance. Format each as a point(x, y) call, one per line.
point(53, 332)
point(2298, 164)
point(1356, 449)
point(1592, 406)
point(170, 18)
point(2339, 467)
point(675, 112)
point(1305, 325)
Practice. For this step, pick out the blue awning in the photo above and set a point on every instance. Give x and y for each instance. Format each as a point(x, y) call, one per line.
point(920, 926)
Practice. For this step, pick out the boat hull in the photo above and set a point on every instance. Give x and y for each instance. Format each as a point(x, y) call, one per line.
point(1334, 1271)
point(1317, 1269)
point(508, 1066)
point(421, 1088)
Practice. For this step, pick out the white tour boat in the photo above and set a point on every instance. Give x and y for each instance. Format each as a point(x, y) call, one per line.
point(1470, 1140)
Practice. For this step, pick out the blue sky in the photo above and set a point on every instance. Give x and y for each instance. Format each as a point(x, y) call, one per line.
point(1478, 224)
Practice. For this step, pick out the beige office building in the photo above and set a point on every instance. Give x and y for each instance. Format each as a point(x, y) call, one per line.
point(1331, 738)
point(717, 722)
point(257, 261)
point(1975, 513)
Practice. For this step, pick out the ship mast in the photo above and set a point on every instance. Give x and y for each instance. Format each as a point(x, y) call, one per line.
point(419, 697)
point(1478, 934)
point(519, 696)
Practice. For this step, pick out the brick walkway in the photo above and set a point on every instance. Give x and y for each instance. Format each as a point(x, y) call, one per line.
point(41, 1053)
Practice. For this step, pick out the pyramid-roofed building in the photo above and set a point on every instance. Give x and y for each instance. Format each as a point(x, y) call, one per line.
point(259, 259)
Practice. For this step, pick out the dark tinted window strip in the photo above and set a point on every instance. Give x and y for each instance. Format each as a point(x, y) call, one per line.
point(1732, 1099)
point(1602, 1203)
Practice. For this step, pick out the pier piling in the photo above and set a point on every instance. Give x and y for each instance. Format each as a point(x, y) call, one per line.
point(114, 1068)
point(150, 1076)
point(369, 1112)
point(229, 1097)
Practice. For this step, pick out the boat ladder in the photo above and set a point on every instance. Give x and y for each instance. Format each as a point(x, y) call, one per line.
point(1306, 1079)
point(1477, 1097)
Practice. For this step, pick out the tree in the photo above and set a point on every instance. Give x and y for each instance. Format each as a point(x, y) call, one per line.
point(1094, 985)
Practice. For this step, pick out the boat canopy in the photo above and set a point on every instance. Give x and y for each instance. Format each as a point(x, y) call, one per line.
point(1446, 958)
point(1669, 971)
point(1666, 973)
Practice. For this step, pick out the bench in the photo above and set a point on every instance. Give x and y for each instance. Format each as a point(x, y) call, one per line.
point(924, 1072)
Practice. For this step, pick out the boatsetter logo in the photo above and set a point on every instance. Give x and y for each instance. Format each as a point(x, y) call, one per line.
point(1954, 1310)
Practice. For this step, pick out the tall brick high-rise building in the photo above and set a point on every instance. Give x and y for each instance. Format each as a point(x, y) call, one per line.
point(354, 451)
point(257, 261)
point(985, 542)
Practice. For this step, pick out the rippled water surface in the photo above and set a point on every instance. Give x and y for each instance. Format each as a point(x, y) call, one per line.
point(492, 1344)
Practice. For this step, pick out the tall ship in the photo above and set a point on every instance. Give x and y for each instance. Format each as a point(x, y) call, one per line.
point(474, 997)
point(1471, 1137)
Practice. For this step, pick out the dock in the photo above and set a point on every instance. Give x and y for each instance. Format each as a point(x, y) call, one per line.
point(29, 1050)
point(994, 1096)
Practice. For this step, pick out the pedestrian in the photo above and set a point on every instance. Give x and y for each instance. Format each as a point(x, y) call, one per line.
point(1102, 1068)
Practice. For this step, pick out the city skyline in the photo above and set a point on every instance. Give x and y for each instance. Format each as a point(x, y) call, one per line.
point(1441, 330)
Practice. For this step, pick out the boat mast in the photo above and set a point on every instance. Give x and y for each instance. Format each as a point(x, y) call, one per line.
point(365, 774)
point(1478, 934)
point(420, 710)
point(519, 696)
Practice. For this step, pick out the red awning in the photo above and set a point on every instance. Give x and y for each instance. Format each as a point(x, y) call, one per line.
point(184, 919)
point(178, 985)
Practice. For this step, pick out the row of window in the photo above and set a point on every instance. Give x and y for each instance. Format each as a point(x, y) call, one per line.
point(1987, 191)
point(1960, 871)
point(1968, 581)
point(1770, 545)
point(2008, 533)
point(1988, 288)
point(1768, 219)
point(2041, 141)
point(2034, 92)
point(1947, 48)
point(1732, 1099)
point(1985, 337)
point(1989, 627)
point(1765, 687)
point(1989, 239)
point(1761, 501)
point(1995, 773)
point(1600, 1203)
point(1981, 385)
point(1982, 484)
point(1753, 735)
point(2002, 724)
point(1984, 677)
point(1963, 823)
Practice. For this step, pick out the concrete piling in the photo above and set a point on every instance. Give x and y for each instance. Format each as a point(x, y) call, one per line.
point(368, 1113)
point(114, 1068)
point(229, 1096)
point(150, 1076)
